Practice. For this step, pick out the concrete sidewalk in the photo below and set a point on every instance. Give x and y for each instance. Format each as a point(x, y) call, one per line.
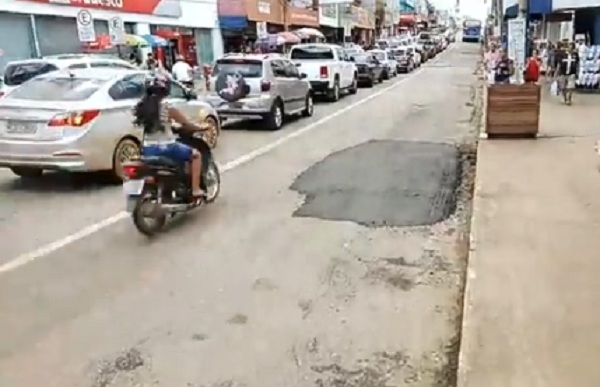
point(532, 303)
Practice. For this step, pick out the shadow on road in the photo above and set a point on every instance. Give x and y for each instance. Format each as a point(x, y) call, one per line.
point(55, 182)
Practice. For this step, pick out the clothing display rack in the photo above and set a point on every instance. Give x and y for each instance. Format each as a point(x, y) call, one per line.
point(588, 77)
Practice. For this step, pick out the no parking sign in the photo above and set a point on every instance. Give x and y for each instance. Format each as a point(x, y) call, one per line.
point(85, 26)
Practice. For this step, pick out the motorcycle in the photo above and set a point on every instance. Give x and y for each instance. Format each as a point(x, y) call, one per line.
point(158, 188)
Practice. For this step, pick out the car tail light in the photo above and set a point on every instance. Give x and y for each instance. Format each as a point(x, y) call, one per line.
point(324, 72)
point(265, 85)
point(1, 94)
point(76, 119)
point(131, 171)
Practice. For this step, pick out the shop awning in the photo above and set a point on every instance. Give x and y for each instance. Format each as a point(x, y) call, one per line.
point(407, 19)
point(233, 22)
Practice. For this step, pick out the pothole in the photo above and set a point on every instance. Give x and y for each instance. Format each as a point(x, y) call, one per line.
point(383, 183)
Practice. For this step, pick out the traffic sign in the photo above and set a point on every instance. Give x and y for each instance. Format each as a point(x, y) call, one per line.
point(116, 30)
point(85, 26)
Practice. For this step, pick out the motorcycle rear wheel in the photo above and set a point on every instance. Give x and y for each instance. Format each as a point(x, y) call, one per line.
point(213, 182)
point(143, 212)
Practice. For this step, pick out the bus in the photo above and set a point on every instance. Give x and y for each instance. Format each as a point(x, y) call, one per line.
point(472, 31)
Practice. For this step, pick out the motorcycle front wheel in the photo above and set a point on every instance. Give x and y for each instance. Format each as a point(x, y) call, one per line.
point(147, 215)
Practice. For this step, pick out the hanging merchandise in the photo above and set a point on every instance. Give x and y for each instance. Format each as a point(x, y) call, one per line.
point(588, 77)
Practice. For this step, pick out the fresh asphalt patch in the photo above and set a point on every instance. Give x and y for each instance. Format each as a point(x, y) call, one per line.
point(383, 183)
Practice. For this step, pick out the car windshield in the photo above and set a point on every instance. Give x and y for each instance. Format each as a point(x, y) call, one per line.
point(399, 52)
point(424, 36)
point(383, 44)
point(379, 55)
point(18, 73)
point(244, 67)
point(57, 89)
point(362, 58)
point(312, 52)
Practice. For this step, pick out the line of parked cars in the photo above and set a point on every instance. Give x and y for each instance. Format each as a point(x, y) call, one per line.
point(74, 112)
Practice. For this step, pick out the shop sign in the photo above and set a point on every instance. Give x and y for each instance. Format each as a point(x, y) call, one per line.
point(85, 26)
point(264, 7)
point(573, 4)
point(261, 29)
point(329, 10)
point(303, 17)
point(116, 30)
point(170, 8)
point(270, 11)
point(363, 18)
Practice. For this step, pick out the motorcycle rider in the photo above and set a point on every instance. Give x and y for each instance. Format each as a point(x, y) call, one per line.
point(155, 115)
point(183, 72)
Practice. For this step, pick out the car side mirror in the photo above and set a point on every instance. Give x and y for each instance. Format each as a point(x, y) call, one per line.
point(351, 59)
point(191, 95)
point(302, 76)
point(298, 64)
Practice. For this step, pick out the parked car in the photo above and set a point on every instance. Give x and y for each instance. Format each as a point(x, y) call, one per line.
point(387, 61)
point(17, 72)
point(328, 68)
point(259, 86)
point(405, 61)
point(369, 69)
point(81, 120)
point(414, 54)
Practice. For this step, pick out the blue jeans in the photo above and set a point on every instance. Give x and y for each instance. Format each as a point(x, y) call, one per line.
point(175, 151)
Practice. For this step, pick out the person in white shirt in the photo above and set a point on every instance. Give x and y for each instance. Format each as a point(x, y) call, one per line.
point(183, 72)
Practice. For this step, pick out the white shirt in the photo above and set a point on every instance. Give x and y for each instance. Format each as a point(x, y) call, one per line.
point(182, 71)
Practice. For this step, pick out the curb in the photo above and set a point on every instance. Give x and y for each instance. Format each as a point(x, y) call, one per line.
point(467, 340)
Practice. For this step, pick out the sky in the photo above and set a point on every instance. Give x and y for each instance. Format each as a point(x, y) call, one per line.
point(474, 8)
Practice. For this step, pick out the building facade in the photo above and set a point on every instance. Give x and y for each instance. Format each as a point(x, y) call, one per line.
point(48, 27)
point(242, 21)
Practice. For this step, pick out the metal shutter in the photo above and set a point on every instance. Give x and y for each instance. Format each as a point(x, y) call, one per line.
point(17, 40)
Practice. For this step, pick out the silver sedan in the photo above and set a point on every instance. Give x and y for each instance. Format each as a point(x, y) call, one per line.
point(81, 120)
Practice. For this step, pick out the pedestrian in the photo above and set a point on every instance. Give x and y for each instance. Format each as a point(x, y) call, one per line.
point(567, 67)
point(532, 68)
point(183, 72)
point(504, 68)
point(151, 63)
point(490, 60)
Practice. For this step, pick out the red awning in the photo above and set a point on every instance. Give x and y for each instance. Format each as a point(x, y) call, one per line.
point(407, 19)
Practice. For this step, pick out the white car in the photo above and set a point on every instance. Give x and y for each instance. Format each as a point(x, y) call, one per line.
point(20, 71)
point(390, 66)
point(327, 67)
point(412, 50)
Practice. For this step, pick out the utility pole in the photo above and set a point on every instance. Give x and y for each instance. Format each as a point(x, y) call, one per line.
point(286, 24)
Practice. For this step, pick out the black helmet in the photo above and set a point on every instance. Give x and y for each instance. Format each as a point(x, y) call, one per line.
point(158, 83)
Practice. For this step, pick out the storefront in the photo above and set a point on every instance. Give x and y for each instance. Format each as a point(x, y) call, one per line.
point(43, 27)
point(364, 25)
point(330, 23)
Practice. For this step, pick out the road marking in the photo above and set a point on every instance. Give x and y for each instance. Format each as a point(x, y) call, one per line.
point(51, 247)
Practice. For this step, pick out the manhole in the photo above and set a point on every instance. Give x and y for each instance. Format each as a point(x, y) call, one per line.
point(382, 183)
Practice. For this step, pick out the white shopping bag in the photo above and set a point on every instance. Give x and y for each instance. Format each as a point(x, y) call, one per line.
point(554, 88)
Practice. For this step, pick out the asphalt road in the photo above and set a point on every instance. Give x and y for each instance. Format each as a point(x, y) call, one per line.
point(242, 293)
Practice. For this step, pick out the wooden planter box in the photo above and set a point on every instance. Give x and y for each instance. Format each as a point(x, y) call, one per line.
point(513, 110)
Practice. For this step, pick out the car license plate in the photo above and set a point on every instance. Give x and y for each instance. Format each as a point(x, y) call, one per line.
point(20, 128)
point(133, 187)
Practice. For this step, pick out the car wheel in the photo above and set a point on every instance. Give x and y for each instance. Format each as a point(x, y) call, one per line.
point(381, 77)
point(370, 82)
point(309, 107)
point(334, 94)
point(126, 150)
point(274, 120)
point(354, 88)
point(212, 132)
point(27, 172)
point(386, 75)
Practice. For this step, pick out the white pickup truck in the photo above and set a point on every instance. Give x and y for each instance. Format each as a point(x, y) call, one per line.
point(327, 67)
